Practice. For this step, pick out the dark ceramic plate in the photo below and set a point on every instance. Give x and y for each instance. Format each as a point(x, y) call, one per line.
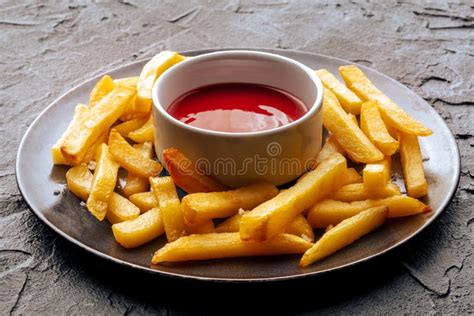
point(40, 182)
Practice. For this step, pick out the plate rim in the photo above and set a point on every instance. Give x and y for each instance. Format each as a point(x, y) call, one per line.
point(152, 271)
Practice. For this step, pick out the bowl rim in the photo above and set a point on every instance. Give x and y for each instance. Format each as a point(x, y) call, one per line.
point(316, 106)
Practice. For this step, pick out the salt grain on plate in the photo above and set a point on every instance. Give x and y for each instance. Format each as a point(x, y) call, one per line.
point(121, 183)
point(89, 124)
point(91, 165)
point(329, 228)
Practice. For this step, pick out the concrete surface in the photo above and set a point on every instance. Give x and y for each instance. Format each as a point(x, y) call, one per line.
point(47, 48)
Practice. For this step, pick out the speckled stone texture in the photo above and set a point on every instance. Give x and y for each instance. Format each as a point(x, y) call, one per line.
point(48, 48)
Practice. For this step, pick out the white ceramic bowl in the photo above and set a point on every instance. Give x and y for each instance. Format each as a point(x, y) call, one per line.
point(278, 155)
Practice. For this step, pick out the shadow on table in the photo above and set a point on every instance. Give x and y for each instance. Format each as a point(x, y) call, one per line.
point(310, 294)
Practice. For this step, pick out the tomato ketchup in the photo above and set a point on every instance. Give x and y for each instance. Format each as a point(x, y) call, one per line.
point(237, 108)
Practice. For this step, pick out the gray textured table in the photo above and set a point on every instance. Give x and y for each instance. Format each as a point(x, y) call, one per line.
point(47, 49)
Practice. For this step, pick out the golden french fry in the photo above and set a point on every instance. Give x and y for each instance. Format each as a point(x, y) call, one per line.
point(103, 87)
point(227, 245)
point(144, 200)
point(374, 127)
point(146, 133)
point(120, 209)
point(354, 119)
point(357, 192)
point(373, 177)
point(131, 114)
point(358, 82)
point(131, 158)
point(56, 154)
point(391, 130)
point(298, 227)
point(128, 81)
point(231, 224)
point(92, 150)
point(150, 72)
point(129, 126)
point(185, 174)
point(352, 176)
point(348, 99)
point(346, 132)
point(198, 207)
point(412, 166)
point(301, 228)
point(97, 120)
point(330, 147)
point(79, 181)
point(204, 227)
point(103, 183)
point(345, 233)
point(134, 183)
point(352, 74)
point(139, 231)
point(330, 212)
point(271, 217)
point(171, 212)
point(376, 175)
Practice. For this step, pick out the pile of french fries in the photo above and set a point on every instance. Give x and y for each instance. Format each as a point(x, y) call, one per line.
point(115, 131)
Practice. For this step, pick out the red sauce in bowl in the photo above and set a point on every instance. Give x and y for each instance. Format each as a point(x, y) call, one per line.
point(237, 108)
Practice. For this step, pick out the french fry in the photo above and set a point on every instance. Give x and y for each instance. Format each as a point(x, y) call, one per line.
point(330, 212)
point(348, 99)
point(56, 154)
point(372, 176)
point(120, 209)
point(129, 126)
point(79, 181)
point(103, 87)
point(205, 227)
point(131, 158)
point(345, 233)
point(170, 207)
point(227, 245)
point(186, 176)
point(103, 183)
point(97, 120)
point(358, 82)
point(301, 228)
point(130, 114)
point(390, 129)
point(354, 119)
point(150, 72)
point(145, 201)
point(146, 133)
point(352, 176)
point(271, 217)
point(198, 207)
point(346, 132)
point(128, 81)
point(376, 175)
point(412, 166)
point(330, 147)
point(231, 224)
point(374, 127)
point(92, 150)
point(139, 231)
point(134, 183)
point(357, 192)
point(298, 227)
